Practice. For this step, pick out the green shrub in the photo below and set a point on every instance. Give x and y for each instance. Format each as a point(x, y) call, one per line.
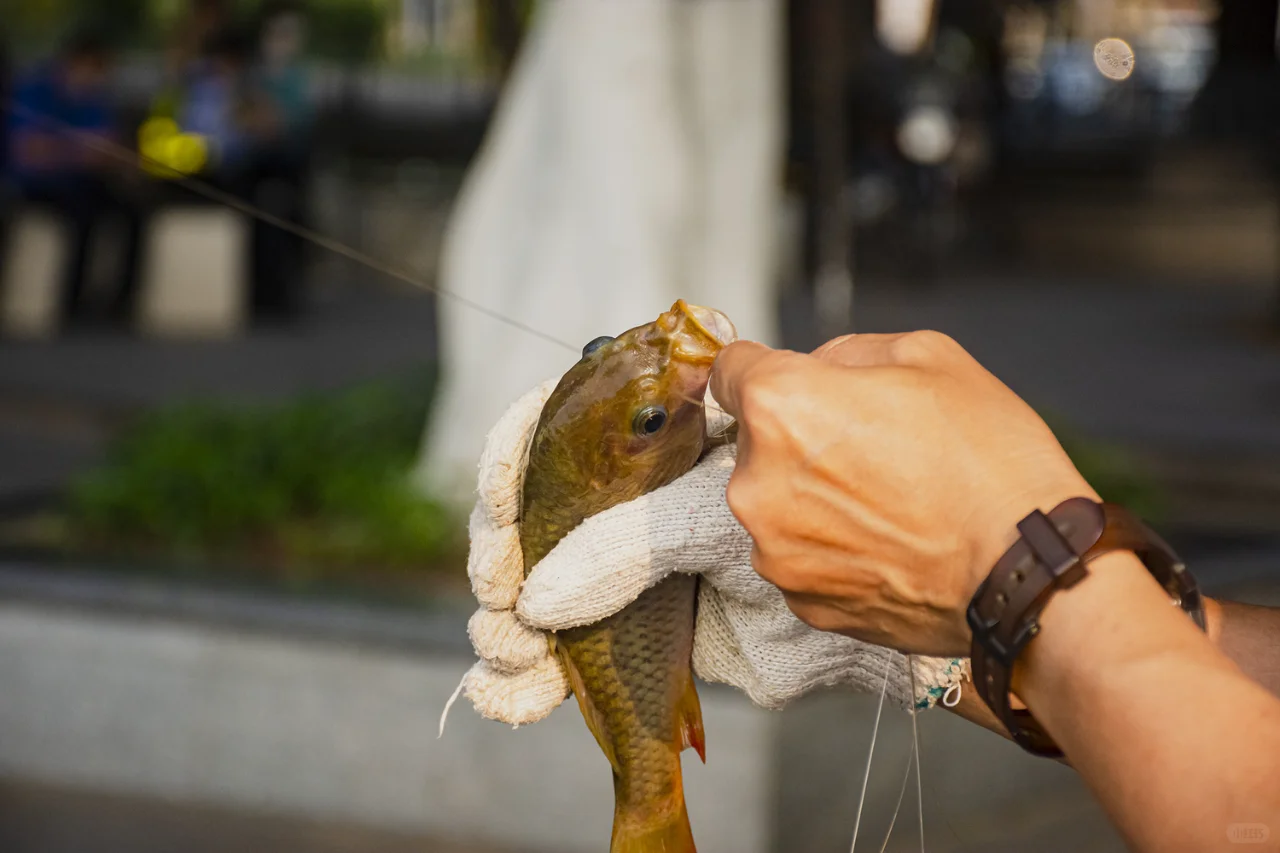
point(323, 480)
point(347, 30)
point(1112, 472)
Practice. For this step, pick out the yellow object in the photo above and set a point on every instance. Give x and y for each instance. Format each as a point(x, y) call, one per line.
point(167, 152)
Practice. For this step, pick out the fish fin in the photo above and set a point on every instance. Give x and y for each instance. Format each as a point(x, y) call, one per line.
point(674, 836)
point(689, 717)
point(595, 720)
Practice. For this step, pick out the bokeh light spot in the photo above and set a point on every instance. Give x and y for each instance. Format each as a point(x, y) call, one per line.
point(1114, 58)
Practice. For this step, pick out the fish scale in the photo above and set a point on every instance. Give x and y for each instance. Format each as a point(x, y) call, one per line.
point(640, 704)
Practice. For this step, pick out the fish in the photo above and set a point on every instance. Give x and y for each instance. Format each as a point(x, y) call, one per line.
point(628, 418)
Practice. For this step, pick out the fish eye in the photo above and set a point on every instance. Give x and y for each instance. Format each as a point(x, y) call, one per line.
point(595, 345)
point(649, 421)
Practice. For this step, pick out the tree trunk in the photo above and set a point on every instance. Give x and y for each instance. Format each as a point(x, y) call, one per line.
point(634, 159)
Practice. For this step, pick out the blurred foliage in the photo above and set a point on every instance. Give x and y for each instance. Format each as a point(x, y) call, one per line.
point(321, 481)
point(1112, 472)
point(37, 25)
point(501, 26)
point(346, 30)
point(341, 30)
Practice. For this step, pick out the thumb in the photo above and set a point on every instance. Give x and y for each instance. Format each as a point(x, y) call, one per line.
point(606, 562)
point(732, 366)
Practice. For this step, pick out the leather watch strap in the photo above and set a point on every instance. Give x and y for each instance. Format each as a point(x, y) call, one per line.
point(1052, 553)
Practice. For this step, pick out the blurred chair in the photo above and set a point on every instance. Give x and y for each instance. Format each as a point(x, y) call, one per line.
point(193, 278)
point(31, 282)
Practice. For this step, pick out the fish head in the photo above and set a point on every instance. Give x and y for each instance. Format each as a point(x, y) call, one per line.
point(628, 417)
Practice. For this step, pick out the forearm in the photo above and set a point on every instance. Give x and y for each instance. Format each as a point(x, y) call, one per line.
point(1250, 636)
point(1247, 634)
point(1173, 738)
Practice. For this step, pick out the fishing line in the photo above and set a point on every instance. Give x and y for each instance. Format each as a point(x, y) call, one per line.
point(915, 750)
point(913, 760)
point(871, 751)
point(142, 162)
point(897, 809)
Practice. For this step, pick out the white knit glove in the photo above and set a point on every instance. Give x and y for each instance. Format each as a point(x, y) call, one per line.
point(517, 679)
point(746, 636)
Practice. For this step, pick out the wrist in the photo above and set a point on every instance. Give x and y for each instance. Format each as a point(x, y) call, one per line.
point(1089, 572)
point(997, 525)
point(1097, 640)
point(1082, 624)
point(1213, 618)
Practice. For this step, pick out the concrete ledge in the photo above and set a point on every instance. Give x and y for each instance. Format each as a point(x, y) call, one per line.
point(41, 818)
point(136, 597)
point(143, 689)
point(195, 711)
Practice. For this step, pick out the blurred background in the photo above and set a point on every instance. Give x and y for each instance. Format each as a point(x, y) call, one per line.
point(230, 613)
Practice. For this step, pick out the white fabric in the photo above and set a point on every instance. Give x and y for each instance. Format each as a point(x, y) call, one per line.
point(635, 159)
point(746, 636)
point(517, 679)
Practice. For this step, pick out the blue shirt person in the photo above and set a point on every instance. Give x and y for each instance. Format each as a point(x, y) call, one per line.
point(58, 126)
point(214, 104)
point(53, 104)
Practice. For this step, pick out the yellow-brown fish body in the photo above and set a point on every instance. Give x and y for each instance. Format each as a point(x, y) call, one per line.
point(628, 419)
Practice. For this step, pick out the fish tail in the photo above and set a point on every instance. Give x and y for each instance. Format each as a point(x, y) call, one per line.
point(672, 835)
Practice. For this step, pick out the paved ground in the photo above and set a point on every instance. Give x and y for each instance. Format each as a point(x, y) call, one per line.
point(350, 334)
point(1187, 376)
point(60, 400)
point(37, 818)
point(1164, 367)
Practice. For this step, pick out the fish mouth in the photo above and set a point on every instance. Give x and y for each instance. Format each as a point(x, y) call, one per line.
point(710, 322)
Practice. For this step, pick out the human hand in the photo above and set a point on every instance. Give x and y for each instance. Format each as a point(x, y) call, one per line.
point(881, 478)
point(745, 635)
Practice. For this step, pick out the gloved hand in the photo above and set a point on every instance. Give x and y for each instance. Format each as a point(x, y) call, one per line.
point(745, 636)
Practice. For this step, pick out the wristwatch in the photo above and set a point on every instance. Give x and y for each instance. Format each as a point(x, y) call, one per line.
point(1051, 554)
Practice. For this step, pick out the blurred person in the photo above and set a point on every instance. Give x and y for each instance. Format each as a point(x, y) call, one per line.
point(875, 489)
point(280, 157)
point(188, 39)
point(58, 107)
point(247, 99)
point(279, 74)
point(215, 105)
point(185, 49)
